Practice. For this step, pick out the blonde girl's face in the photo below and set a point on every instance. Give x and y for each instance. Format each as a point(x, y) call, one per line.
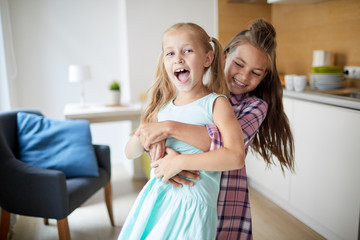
point(185, 59)
point(245, 68)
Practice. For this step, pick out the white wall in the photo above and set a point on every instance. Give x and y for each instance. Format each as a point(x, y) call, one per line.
point(51, 35)
point(119, 39)
point(146, 25)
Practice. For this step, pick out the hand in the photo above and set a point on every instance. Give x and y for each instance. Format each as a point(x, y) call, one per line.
point(168, 166)
point(180, 179)
point(157, 151)
point(150, 133)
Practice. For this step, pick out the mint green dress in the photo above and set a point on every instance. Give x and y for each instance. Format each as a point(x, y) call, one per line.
point(162, 211)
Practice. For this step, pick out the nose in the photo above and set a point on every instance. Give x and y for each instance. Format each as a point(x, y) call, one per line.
point(179, 59)
point(246, 75)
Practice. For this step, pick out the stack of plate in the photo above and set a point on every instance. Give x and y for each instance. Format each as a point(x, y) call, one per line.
point(326, 81)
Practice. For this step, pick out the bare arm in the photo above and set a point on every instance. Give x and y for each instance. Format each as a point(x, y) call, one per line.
point(195, 135)
point(230, 156)
point(133, 148)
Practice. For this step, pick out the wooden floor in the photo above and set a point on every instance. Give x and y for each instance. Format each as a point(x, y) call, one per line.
point(272, 222)
point(91, 221)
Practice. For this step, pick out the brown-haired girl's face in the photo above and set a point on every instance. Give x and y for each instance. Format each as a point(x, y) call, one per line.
point(245, 68)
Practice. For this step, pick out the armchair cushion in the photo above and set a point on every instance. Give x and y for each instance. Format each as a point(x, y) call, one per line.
point(54, 144)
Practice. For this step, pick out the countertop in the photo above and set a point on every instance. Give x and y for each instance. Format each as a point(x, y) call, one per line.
point(325, 97)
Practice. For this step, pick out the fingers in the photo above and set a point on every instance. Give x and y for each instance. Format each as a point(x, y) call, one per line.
point(145, 142)
point(154, 164)
point(152, 151)
point(141, 134)
point(157, 151)
point(165, 179)
point(174, 183)
point(157, 155)
point(180, 180)
point(195, 175)
point(160, 150)
point(170, 151)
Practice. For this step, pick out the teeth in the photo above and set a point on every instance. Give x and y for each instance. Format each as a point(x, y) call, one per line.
point(239, 83)
point(180, 70)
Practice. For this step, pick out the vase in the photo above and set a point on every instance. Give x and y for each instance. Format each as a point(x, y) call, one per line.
point(114, 97)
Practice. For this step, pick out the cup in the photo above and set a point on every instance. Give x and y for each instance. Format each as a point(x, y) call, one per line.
point(322, 58)
point(299, 83)
point(289, 82)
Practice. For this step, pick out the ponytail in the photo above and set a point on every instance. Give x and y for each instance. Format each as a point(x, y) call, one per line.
point(217, 81)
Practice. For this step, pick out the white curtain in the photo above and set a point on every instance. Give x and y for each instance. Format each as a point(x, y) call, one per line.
point(8, 70)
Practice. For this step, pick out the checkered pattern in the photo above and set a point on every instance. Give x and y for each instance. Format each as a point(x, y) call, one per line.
point(234, 217)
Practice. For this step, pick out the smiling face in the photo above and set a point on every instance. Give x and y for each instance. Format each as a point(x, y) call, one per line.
point(245, 68)
point(185, 59)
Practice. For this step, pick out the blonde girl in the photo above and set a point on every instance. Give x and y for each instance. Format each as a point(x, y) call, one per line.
point(163, 211)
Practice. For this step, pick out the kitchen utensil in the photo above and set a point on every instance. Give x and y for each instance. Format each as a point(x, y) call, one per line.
point(299, 83)
point(322, 58)
point(289, 82)
point(319, 81)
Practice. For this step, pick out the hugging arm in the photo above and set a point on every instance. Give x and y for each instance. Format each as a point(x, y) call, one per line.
point(230, 156)
point(151, 134)
point(195, 135)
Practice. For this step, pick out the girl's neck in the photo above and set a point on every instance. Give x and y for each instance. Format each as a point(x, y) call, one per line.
point(184, 98)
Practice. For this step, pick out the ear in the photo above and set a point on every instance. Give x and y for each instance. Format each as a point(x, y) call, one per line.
point(266, 73)
point(209, 59)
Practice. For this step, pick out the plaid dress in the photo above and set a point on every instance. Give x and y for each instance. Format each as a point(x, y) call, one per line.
point(234, 217)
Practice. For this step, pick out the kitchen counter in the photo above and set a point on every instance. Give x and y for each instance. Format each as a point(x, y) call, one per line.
point(325, 97)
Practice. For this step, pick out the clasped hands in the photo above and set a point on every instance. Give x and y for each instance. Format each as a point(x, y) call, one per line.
point(164, 159)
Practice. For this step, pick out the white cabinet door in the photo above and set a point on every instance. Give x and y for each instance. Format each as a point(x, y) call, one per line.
point(324, 192)
point(270, 181)
point(326, 184)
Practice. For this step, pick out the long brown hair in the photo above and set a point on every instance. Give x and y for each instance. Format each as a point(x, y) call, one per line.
point(274, 137)
point(163, 90)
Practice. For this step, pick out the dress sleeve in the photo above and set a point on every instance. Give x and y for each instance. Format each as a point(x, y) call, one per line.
point(250, 117)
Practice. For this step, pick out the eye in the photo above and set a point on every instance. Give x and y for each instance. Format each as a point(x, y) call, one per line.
point(169, 54)
point(238, 64)
point(256, 74)
point(188, 51)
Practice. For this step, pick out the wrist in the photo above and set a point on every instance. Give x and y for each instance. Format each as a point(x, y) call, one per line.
point(181, 160)
point(169, 128)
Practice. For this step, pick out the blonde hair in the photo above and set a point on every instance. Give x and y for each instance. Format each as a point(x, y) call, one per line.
point(274, 137)
point(163, 90)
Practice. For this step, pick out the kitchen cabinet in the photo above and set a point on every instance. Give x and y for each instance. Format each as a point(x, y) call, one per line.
point(324, 192)
point(294, 1)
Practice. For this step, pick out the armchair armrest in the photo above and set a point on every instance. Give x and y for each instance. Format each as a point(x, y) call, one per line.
point(103, 157)
point(34, 191)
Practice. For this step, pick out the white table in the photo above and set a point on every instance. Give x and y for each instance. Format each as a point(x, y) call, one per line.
point(97, 113)
point(102, 113)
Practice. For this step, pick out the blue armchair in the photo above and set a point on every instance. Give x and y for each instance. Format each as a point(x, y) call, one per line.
point(46, 193)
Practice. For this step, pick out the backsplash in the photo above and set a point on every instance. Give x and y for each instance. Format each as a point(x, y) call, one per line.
point(332, 25)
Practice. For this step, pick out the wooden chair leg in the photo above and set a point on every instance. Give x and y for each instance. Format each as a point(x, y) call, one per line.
point(4, 224)
point(63, 229)
point(46, 221)
point(108, 200)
